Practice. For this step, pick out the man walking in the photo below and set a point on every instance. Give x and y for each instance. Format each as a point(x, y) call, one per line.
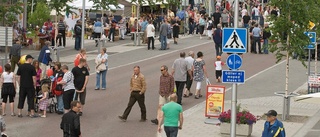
point(81, 77)
point(15, 53)
point(180, 68)
point(150, 34)
point(273, 127)
point(137, 89)
point(256, 33)
point(172, 117)
point(97, 29)
point(26, 76)
point(62, 26)
point(217, 38)
point(165, 89)
point(190, 60)
point(70, 123)
point(44, 58)
point(163, 34)
point(77, 31)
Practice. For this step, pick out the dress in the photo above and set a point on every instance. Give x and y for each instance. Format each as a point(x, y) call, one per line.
point(175, 29)
point(43, 104)
point(198, 70)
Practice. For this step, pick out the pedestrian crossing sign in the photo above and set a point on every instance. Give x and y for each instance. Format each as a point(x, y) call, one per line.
point(234, 40)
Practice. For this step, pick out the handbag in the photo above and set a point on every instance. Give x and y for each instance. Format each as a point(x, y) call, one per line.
point(101, 67)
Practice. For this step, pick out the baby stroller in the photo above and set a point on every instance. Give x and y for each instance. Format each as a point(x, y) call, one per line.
point(52, 106)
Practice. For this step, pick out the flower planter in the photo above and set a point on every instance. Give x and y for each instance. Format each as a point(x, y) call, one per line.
point(241, 129)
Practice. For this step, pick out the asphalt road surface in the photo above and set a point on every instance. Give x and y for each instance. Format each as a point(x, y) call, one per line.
point(102, 107)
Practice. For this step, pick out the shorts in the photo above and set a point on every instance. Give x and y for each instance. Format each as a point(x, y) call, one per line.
point(67, 98)
point(81, 96)
point(198, 85)
point(163, 100)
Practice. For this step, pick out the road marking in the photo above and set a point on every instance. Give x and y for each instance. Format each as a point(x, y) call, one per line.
point(201, 105)
point(155, 56)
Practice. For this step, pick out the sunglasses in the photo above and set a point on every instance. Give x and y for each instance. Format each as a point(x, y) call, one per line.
point(162, 69)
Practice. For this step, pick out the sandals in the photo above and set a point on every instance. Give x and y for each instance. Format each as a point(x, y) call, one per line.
point(13, 114)
point(185, 95)
point(20, 115)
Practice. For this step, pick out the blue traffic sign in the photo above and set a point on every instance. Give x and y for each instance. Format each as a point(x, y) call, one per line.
point(310, 46)
point(234, 61)
point(234, 40)
point(229, 76)
point(312, 36)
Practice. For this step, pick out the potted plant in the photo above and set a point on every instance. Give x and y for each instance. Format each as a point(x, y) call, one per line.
point(245, 120)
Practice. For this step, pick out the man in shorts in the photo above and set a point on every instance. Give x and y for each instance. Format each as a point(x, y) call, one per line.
point(81, 77)
point(26, 76)
point(165, 89)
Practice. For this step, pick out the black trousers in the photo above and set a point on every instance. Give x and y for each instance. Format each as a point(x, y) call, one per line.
point(151, 39)
point(29, 93)
point(136, 96)
point(189, 82)
point(255, 41)
point(218, 73)
point(180, 86)
point(63, 37)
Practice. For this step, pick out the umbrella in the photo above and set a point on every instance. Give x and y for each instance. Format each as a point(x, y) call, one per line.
point(313, 98)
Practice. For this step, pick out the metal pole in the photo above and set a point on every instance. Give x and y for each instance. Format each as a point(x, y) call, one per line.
point(6, 47)
point(234, 85)
point(316, 59)
point(309, 59)
point(210, 7)
point(31, 7)
point(83, 27)
point(233, 110)
point(25, 5)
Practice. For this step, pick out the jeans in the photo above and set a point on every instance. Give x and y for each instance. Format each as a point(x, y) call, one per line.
point(218, 49)
point(102, 75)
point(191, 28)
point(60, 103)
point(255, 41)
point(246, 25)
point(111, 34)
point(77, 42)
point(171, 131)
point(179, 86)
point(163, 42)
point(265, 46)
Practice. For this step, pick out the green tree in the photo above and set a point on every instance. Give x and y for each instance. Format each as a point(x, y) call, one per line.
point(9, 11)
point(288, 29)
point(40, 15)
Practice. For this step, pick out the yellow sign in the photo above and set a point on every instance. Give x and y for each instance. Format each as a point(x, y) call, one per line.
point(311, 25)
point(162, 6)
point(214, 101)
point(134, 9)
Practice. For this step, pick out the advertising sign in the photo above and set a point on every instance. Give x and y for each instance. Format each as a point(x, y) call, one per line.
point(214, 100)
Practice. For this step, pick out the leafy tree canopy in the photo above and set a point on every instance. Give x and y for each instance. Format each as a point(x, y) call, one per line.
point(9, 11)
point(40, 15)
point(288, 29)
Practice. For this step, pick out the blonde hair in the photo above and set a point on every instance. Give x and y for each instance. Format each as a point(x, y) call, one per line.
point(45, 88)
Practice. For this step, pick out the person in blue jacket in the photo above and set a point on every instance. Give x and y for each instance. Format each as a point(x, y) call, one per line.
point(273, 127)
point(44, 58)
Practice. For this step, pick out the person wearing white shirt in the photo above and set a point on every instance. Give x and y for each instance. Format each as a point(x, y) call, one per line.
point(150, 34)
point(190, 60)
point(256, 13)
point(243, 11)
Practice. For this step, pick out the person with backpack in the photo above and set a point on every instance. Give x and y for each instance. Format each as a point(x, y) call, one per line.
point(217, 38)
point(57, 89)
point(62, 26)
point(209, 28)
point(77, 34)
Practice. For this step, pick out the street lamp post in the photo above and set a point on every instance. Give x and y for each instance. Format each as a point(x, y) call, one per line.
point(83, 22)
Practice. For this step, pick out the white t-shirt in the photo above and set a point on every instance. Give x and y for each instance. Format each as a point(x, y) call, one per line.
point(7, 78)
point(218, 65)
point(256, 11)
point(190, 60)
point(243, 12)
point(150, 30)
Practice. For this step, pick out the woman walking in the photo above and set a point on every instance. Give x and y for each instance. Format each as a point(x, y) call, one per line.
point(101, 60)
point(175, 29)
point(199, 70)
point(8, 83)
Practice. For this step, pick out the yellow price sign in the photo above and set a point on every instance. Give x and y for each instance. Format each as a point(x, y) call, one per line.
point(311, 25)
point(134, 9)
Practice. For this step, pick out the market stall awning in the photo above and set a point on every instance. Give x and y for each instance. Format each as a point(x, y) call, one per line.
point(146, 3)
point(91, 5)
point(313, 98)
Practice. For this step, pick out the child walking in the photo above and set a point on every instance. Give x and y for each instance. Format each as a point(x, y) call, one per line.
point(44, 101)
point(218, 64)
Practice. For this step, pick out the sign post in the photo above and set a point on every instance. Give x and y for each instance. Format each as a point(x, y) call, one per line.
point(313, 40)
point(234, 40)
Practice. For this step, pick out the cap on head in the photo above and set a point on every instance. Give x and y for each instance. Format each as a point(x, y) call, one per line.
point(28, 57)
point(271, 113)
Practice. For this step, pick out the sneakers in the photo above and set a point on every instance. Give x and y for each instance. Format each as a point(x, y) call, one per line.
point(122, 119)
point(59, 112)
point(43, 116)
point(155, 121)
